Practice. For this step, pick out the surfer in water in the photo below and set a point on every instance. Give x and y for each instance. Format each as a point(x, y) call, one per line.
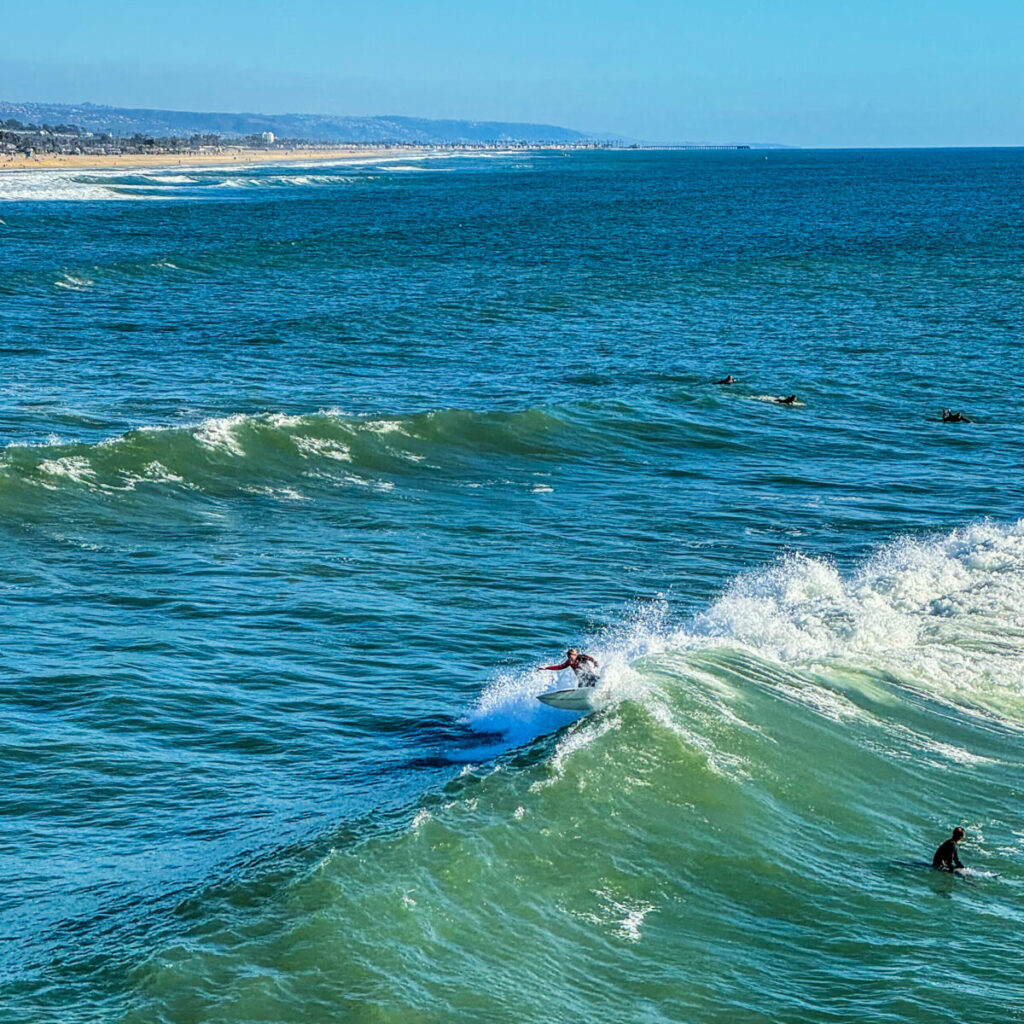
point(946, 858)
point(948, 416)
point(727, 380)
point(579, 663)
point(785, 400)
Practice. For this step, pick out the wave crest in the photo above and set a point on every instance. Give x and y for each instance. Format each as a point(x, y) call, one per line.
point(232, 454)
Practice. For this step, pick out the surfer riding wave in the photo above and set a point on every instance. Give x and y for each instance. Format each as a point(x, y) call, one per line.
point(579, 663)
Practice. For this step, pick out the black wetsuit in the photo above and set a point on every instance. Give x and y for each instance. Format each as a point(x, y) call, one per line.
point(945, 858)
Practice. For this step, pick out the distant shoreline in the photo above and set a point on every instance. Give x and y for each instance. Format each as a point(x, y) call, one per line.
point(240, 156)
point(234, 155)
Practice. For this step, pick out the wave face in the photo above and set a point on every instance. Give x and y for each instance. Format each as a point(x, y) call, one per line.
point(301, 479)
point(231, 455)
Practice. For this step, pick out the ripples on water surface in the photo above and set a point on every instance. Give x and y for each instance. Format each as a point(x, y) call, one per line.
point(306, 467)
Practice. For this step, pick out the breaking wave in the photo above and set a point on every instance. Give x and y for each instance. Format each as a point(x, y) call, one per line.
point(941, 616)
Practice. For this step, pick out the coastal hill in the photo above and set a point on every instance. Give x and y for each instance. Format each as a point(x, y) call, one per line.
point(121, 121)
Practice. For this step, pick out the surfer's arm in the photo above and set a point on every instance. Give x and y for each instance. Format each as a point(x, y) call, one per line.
point(587, 657)
point(956, 860)
point(554, 668)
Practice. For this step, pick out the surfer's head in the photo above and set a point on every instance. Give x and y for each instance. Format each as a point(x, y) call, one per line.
point(958, 834)
point(571, 652)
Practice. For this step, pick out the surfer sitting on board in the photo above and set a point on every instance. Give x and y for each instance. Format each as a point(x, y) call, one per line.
point(578, 663)
point(946, 858)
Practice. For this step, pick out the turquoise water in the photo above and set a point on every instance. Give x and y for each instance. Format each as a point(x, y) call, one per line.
point(307, 469)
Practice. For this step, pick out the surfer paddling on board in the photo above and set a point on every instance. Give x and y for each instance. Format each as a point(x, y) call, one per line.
point(579, 664)
point(946, 858)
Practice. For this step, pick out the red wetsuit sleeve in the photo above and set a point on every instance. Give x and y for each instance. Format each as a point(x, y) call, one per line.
point(556, 668)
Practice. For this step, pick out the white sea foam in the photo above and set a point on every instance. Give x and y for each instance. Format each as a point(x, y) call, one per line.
point(157, 472)
point(251, 181)
point(948, 612)
point(282, 419)
point(51, 441)
point(383, 426)
point(627, 914)
point(178, 178)
point(322, 447)
point(19, 186)
point(279, 493)
point(73, 467)
point(958, 755)
point(161, 183)
point(219, 434)
point(77, 542)
point(621, 914)
point(73, 283)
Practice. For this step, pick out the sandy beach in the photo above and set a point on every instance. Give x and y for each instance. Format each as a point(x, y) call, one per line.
point(228, 154)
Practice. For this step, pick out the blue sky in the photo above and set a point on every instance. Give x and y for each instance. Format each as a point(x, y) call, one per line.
point(861, 73)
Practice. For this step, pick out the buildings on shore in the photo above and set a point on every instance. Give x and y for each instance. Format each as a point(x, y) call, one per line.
point(68, 140)
point(27, 140)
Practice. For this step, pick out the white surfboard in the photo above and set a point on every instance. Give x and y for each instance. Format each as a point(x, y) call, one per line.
point(579, 698)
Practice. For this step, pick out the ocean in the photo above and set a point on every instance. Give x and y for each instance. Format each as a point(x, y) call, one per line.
point(306, 470)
